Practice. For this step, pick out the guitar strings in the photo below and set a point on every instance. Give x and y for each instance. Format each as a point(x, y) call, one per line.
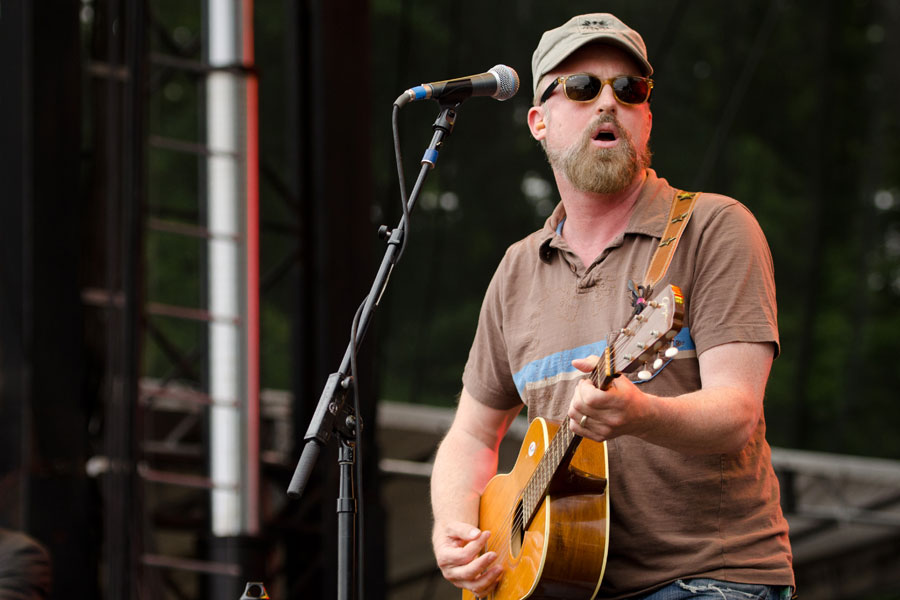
point(501, 537)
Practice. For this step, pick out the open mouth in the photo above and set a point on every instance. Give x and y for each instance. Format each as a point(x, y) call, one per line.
point(605, 136)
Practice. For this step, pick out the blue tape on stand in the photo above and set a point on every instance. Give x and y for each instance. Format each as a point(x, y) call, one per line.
point(430, 157)
point(420, 92)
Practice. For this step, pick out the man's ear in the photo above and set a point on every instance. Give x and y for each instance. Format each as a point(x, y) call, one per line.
point(536, 122)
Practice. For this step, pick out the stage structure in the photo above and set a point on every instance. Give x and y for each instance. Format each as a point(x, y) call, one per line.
point(127, 447)
point(198, 506)
point(209, 454)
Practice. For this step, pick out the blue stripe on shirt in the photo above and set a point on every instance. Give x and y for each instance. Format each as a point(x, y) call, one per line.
point(558, 363)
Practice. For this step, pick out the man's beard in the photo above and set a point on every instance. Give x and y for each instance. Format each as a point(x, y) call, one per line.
point(600, 170)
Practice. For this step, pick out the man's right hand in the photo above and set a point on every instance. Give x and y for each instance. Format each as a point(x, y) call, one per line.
point(457, 548)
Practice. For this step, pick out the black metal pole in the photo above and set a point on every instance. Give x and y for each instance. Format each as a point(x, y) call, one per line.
point(346, 511)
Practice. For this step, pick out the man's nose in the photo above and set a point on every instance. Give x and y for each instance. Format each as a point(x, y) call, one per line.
point(606, 100)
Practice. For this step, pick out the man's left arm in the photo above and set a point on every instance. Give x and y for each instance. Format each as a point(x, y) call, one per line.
point(719, 418)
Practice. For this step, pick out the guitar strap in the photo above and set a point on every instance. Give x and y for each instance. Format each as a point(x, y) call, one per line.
point(679, 215)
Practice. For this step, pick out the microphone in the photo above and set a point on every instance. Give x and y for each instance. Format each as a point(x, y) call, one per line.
point(501, 82)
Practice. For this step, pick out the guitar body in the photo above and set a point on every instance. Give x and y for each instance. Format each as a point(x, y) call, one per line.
point(562, 552)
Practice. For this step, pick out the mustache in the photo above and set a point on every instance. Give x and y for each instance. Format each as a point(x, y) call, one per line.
point(603, 119)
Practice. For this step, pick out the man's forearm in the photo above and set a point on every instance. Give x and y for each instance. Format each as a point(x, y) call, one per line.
point(462, 468)
point(718, 419)
point(721, 417)
point(710, 421)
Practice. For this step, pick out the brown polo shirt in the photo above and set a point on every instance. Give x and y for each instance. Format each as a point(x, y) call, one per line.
point(673, 516)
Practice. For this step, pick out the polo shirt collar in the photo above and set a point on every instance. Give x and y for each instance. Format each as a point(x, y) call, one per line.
point(648, 218)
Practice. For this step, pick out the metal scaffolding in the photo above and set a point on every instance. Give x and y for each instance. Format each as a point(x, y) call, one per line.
point(182, 375)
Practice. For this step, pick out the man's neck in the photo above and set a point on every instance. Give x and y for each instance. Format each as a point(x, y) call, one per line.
point(594, 220)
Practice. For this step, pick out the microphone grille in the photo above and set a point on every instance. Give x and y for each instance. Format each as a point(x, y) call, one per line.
point(507, 82)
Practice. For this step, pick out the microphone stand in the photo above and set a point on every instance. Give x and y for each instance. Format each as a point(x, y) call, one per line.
point(333, 414)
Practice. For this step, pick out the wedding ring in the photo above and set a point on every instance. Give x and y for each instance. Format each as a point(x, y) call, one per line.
point(583, 420)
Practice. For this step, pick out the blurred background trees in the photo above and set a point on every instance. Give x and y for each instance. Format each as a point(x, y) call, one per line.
point(789, 106)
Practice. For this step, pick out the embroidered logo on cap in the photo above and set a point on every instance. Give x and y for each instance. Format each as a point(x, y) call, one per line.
point(595, 24)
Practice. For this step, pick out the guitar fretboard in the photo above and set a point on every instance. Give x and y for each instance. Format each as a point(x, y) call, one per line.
point(561, 446)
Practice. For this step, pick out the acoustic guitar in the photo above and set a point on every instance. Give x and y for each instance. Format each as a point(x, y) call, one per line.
point(549, 516)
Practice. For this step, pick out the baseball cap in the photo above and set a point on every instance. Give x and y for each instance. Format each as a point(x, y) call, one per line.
point(558, 44)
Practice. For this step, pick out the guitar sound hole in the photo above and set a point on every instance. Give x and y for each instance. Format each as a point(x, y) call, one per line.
point(517, 535)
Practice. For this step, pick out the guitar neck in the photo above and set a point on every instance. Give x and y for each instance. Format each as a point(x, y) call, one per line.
point(643, 338)
point(562, 446)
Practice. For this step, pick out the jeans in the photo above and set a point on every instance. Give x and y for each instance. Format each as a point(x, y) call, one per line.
point(713, 589)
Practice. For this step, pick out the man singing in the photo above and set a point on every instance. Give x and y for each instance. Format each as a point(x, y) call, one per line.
point(694, 500)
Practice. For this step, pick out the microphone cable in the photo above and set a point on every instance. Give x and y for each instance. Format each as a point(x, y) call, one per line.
point(404, 198)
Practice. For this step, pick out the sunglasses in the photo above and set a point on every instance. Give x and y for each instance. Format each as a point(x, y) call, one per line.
point(583, 87)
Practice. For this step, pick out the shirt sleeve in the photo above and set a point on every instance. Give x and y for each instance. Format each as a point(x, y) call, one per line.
point(733, 291)
point(488, 375)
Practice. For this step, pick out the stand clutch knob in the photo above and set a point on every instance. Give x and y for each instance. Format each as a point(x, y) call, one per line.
point(254, 589)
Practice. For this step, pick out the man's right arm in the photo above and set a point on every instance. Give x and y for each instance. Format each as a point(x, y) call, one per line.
point(465, 462)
